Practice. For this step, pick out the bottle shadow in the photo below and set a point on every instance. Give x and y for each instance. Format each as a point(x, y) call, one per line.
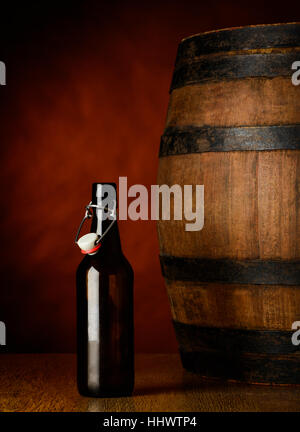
point(188, 383)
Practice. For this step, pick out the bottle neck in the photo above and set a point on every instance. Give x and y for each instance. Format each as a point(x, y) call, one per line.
point(111, 244)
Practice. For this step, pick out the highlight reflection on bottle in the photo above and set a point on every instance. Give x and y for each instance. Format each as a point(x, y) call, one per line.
point(105, 329)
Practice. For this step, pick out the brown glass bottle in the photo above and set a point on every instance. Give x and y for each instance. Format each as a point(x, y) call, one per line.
point(105, 329)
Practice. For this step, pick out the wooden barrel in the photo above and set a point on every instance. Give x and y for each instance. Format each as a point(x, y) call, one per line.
point(233, 125)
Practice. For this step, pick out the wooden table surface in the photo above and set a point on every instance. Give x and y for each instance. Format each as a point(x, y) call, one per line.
point(46, 382)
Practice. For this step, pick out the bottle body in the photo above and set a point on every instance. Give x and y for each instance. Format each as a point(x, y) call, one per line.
point(105, 335)
point(105, 326)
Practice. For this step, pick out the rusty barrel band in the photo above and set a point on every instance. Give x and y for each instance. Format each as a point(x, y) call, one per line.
point(250, 368)
point(225, 67)
point(256, 272)
point(238, 354)
point(194, 338)
point(254, 37)
point(192, 139)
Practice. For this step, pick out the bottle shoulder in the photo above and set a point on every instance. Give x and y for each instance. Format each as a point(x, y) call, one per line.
point(104, 264)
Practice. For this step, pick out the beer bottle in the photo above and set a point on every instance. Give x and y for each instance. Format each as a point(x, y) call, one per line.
point(105, 329)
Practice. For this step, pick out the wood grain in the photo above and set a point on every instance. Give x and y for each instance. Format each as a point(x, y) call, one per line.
point(245, 102)
point(46, 382)
point(232, 126)
point(251, 204)
point(234, 305)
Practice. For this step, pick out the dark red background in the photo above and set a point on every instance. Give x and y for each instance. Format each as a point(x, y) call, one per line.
point(85, 101)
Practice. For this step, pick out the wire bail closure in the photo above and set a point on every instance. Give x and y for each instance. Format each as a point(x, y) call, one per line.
point(89, 214)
